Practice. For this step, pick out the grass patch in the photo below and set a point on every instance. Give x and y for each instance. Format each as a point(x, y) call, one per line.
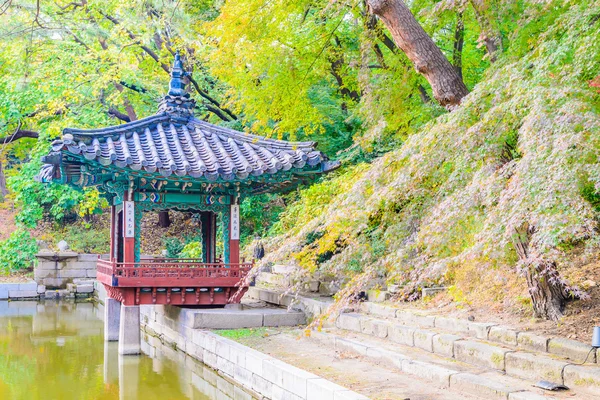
point(244, 333)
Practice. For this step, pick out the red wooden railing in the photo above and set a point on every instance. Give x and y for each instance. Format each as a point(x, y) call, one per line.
point(161, 271)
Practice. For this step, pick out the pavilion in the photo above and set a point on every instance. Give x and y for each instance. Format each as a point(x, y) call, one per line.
point(173, 161)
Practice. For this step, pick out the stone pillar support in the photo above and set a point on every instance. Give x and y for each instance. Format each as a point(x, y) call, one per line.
point(129, 330)
point(112, 318)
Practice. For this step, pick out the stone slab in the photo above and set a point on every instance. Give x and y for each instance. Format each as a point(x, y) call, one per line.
point(349, 322)
point(322, 389)
point(273, 371)
point(262, 386)
point(481, 354)
point(434, 373)
point(279, 393)
point(53, 282)
point(254, 361)
point(225, 366)
point(350, 345)
point(85, 288)
point(87, 257)
point(366, 325)
point(452, 324)
point(409, 318)
point(22, 294)
point(504, 335)
point(402, 335)
point(572, 350)
point(377, 296)
point(423, 339)
point(32, 285)
point(480, 386)
point(583, 377)
point(242, 376)
point(226, 319)
point(72, 273)
point(380, 329)
point(531, 341)
point(444, 344)
point(534, 367)
point(295, 380)
point(284, 318)
point(480, 330)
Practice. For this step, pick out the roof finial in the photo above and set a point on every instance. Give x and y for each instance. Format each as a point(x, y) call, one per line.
point(177, 86)
point(177, 102)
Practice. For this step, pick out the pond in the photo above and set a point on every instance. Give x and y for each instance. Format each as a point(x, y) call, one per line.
point(57, 351)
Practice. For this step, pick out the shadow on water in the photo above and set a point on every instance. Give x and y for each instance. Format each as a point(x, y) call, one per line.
point(56, 351)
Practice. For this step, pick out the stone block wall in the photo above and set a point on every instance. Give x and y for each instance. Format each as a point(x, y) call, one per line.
point(257, 372)
point(56, 270)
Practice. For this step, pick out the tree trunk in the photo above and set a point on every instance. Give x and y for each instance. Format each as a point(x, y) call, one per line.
point(3, 190)
point(547, 291)
point(163, 219)
point(548, 295)
point(447, 86)
point(490, 36)
point(459, 41)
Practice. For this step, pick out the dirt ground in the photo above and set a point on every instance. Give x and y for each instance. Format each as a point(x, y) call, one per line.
point(7, 223)
point(17, 277)
point(350, 371)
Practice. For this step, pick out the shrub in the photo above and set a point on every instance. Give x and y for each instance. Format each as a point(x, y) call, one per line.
point(88, 240)
point(192, 250)
point(17, 252)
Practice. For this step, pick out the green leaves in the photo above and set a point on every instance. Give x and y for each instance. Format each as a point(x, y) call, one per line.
point(17, 252)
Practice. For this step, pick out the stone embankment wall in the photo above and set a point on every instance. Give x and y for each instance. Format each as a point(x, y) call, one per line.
point(56, 270)
point(260, 374)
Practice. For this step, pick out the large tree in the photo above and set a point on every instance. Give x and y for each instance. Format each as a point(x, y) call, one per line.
point(447, 85)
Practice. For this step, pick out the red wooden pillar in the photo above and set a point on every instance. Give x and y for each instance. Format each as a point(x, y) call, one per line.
point(209, 228)
point(234, 234)
point(128, 230)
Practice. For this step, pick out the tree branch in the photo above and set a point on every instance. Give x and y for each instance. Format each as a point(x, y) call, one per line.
point(19, 134)
point(165, 68)
point(118, 114)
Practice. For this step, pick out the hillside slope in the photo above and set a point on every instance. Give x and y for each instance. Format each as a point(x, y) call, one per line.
point(516, 167)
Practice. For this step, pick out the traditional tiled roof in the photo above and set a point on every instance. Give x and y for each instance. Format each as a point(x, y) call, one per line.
point(197, 149)
point(174, 143)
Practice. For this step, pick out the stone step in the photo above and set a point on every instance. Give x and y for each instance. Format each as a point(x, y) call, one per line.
point(272, 279)
point(442, 371)
point(522, 340)
point(532, 366)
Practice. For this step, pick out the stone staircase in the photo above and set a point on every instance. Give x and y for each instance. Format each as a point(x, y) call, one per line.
point(480, 359)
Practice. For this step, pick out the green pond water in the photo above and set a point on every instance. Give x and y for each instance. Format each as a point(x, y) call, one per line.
point(57, 351)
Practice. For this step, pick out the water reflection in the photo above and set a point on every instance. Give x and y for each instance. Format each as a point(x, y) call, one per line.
point(56, 351)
